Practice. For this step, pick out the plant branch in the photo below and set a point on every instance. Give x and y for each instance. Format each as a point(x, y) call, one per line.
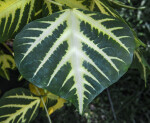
point(111, 104)
point(44, 106)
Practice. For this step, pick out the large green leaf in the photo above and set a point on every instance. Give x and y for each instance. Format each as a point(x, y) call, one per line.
point(18, 106)
point(14, 14)
point(74, 53)
point(103, 6)
point(6, 62)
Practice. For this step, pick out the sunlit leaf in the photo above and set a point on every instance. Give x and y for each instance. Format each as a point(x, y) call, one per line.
point(14, 14)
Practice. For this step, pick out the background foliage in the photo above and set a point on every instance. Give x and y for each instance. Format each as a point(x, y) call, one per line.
point(129, 96)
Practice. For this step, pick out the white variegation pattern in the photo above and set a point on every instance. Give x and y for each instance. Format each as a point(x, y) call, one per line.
point(14, 14)
point(75, 55)
point(25, 103)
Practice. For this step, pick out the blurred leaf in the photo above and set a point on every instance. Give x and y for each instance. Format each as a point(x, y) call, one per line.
point(18, 106)
point(118, 4)
point(6, 62)
point(140, 63)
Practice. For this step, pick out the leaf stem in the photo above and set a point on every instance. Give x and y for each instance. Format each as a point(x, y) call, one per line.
point(44, 106)
point(111, 104)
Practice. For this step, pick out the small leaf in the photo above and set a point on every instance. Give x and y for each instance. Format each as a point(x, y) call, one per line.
point(6, 62)
point(141, 64)
point(18, 106)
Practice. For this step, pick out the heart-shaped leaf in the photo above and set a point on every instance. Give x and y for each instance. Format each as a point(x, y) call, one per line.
point(74, 53)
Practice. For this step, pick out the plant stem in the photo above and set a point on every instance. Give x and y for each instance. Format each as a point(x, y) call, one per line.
point(111, 104)
point(46, 111)
point(8, 49)
point(44, 106)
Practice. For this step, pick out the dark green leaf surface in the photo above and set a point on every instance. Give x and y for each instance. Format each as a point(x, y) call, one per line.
point(75, 54)
point(15, 14)
point(18, 106)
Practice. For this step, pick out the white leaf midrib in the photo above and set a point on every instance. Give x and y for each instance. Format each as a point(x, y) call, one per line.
point(102, 28)
point(76, 61)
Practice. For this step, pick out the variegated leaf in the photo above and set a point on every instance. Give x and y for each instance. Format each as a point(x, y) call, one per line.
point(74, 53)
point(6, 62)
point(106, 8)
point(18, 106)
point(51, 6)
point(14, 14)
